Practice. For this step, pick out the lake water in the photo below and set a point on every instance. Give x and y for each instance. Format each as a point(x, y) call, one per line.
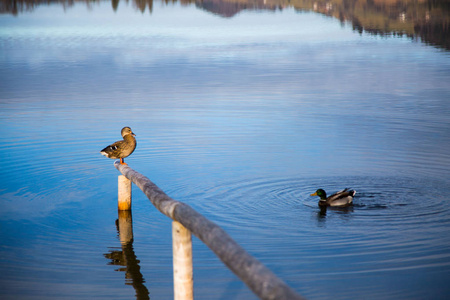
point(241, 111)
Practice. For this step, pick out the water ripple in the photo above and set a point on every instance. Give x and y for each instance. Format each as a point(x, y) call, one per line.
point(396, 224)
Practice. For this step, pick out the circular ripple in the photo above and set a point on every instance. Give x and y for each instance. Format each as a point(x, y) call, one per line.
point(396, 225)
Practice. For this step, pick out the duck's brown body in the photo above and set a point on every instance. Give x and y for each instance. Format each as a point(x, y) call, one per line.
point(123, 148)
point(340, 199)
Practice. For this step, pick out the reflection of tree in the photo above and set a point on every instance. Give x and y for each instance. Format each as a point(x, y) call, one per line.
point(231, 8)
point(126, 257)
point(142, 4)
point(425, 19)
point(115, 4)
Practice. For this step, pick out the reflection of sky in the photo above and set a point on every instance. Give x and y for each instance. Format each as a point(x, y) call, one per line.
point(194, 35)
point(256, 93)
point(212, 100)
point(174, 22)
point(302, 77)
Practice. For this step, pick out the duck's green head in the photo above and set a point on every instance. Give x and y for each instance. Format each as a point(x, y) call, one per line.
point(321, 193)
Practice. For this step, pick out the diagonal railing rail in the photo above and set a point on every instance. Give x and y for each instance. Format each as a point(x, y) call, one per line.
point(262, 281)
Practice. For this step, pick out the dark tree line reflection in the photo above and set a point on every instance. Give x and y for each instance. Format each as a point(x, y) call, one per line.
point(427, 20)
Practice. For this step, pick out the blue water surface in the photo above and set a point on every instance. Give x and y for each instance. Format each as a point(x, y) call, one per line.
point(242, 118)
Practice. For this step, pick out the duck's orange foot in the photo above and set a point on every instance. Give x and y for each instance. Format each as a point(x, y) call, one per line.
point(122, 162)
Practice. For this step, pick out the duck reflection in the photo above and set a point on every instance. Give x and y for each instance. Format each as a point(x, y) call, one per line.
point(344, 212)
point(125, 256)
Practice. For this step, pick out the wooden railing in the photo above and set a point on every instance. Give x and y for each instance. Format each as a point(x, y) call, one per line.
point(263, 282)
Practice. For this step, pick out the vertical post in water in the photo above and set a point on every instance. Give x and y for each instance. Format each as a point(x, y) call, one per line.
point(124, 201)
point(183, 282)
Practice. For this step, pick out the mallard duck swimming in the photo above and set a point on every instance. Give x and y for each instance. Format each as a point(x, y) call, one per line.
point(342, 198)
point(123, 148)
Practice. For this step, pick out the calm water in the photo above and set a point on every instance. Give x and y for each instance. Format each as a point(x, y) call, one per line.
point(241, 113)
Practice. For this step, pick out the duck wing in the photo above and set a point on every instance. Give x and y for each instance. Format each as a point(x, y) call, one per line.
point(341, 198)
point(114, 150)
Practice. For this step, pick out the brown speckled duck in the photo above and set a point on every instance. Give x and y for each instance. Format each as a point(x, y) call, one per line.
point(123, 148)
point(340, 199)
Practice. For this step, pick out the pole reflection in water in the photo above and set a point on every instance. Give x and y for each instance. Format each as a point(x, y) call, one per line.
point(126, 256)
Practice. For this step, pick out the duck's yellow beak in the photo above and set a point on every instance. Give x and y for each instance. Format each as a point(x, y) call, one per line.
point(315, 194)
